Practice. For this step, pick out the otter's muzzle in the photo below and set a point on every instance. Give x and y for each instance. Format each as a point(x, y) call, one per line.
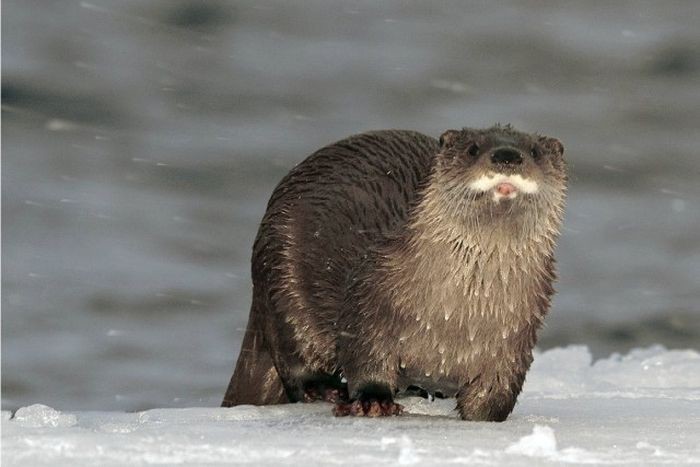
point(504, 186)
point(506, 156)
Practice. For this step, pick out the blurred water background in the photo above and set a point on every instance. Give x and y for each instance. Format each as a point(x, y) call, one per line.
point(141, 141)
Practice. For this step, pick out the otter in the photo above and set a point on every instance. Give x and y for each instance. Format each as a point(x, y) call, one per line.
point(394, 262)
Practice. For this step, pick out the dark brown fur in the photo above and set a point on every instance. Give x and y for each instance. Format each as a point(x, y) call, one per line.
point(379, 265)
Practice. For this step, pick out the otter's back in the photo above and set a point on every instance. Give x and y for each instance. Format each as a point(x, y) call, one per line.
point(325, 214)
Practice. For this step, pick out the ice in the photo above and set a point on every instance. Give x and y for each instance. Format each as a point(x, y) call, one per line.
point(39, 415)
point(407, 454)
point(642, 408)
point(654, 371)
point(541, 443)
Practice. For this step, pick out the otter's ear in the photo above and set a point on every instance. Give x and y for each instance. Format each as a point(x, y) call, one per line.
point(448, 138)
point(552, 145)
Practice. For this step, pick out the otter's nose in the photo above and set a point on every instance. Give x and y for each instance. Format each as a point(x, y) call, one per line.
point(506, 156)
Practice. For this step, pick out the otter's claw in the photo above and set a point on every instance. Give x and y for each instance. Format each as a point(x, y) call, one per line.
point(334, 395)
point(369, 408)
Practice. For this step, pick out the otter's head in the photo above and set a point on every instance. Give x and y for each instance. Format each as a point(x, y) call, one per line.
point(500, 173)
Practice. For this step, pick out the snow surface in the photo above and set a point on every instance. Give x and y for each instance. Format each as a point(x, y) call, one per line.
point(640, 408)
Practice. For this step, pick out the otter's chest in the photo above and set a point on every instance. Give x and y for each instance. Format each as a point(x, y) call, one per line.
point(446, 356)
point(462, 317)
point(439, 356)
point(434, 376)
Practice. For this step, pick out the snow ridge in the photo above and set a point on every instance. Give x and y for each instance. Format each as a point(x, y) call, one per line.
point(642, 408)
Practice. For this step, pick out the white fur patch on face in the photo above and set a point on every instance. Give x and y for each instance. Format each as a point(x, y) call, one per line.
point(491, 181)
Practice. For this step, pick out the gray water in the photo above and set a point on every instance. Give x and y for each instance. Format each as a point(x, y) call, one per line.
point(141, 141)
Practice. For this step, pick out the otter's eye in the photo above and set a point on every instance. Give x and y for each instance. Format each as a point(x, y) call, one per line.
point(473, 150)
point(534, 152)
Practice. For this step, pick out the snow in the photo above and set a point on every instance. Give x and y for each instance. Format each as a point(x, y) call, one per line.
point(639, 408)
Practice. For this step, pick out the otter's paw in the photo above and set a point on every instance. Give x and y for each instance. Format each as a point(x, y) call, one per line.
point(368, 408)
point(334, 395)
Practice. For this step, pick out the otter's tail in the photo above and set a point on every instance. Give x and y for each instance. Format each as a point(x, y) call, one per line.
point(255, 380)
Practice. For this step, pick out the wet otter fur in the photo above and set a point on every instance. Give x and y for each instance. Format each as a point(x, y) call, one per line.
point(391, 261)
